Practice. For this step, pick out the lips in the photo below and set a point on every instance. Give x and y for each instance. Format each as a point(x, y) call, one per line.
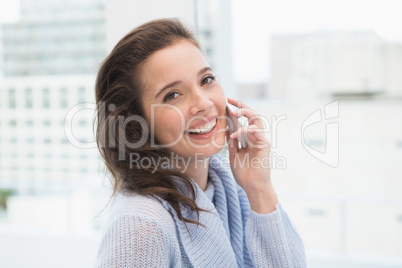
point(203, 128)
point(207, 134)
point(201, 123)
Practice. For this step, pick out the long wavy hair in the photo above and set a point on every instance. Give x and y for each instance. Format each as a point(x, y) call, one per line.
point(119, 92)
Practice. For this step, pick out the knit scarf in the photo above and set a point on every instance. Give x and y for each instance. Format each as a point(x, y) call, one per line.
point(221, 240)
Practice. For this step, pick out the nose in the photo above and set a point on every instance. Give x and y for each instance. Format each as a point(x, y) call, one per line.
point(200, 102)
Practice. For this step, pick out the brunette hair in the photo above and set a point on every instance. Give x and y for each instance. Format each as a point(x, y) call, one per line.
point(119, 91)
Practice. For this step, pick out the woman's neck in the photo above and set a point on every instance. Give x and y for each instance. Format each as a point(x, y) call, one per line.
point(197, 170)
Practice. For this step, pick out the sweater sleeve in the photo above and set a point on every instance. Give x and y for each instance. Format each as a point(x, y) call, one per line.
point(133, 241)
point(273, 241)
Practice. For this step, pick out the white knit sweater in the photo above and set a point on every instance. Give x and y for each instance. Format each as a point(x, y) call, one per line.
point(146, 231)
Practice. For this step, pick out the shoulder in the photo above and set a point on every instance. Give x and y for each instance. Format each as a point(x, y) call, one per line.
point(139, 232)
point(138, 207)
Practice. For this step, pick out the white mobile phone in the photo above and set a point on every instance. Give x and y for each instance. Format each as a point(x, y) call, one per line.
point(234, 124)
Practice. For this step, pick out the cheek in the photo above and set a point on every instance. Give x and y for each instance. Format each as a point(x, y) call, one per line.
point(220, 100)
point(167, 124)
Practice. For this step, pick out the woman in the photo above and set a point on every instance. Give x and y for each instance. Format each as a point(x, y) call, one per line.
point(161, 124)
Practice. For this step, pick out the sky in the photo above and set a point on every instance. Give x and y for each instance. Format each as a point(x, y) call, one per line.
point(254, 21)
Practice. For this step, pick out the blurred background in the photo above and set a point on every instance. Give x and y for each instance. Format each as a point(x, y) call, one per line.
point(327, 76)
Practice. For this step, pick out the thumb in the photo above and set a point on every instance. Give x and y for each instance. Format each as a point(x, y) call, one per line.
point(233, 145)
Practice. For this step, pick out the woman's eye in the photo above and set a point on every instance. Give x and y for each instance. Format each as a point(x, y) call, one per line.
point(207, 79)
point(170, 96)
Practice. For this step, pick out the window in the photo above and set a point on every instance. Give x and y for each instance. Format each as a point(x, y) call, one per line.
point(65, 169)
point(81, 94)
point(63, 98)
point(46, 98)
point(82, 123)
point(83, 170)
point(11, 98)
point(28, 98)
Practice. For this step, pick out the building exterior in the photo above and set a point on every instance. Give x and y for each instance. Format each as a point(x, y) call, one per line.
point(361, 71)
point(47, 111)
point(214, 30)
point(45, 129)
point(48, 61)
point(348, 64)
point(252, 91)
point(54, 38)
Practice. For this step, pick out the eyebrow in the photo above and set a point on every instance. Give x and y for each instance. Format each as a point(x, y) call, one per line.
point(175, 83)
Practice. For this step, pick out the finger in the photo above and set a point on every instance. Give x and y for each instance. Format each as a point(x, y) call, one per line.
point(233, 145)
point(251, 115)
point(257, 138)
point(238, 103)
point(257, 132)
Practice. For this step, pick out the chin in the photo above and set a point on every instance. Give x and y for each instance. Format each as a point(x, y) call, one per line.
point(208, 152)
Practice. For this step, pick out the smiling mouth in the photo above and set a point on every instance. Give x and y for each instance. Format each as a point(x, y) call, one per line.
point(203, 128)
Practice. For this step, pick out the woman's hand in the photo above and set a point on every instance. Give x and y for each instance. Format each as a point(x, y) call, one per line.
point(250, 165)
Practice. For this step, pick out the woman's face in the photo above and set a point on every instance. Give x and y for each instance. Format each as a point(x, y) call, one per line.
point(182, 98)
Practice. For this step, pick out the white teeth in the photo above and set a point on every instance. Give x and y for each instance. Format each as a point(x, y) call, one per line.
point(205, 128)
